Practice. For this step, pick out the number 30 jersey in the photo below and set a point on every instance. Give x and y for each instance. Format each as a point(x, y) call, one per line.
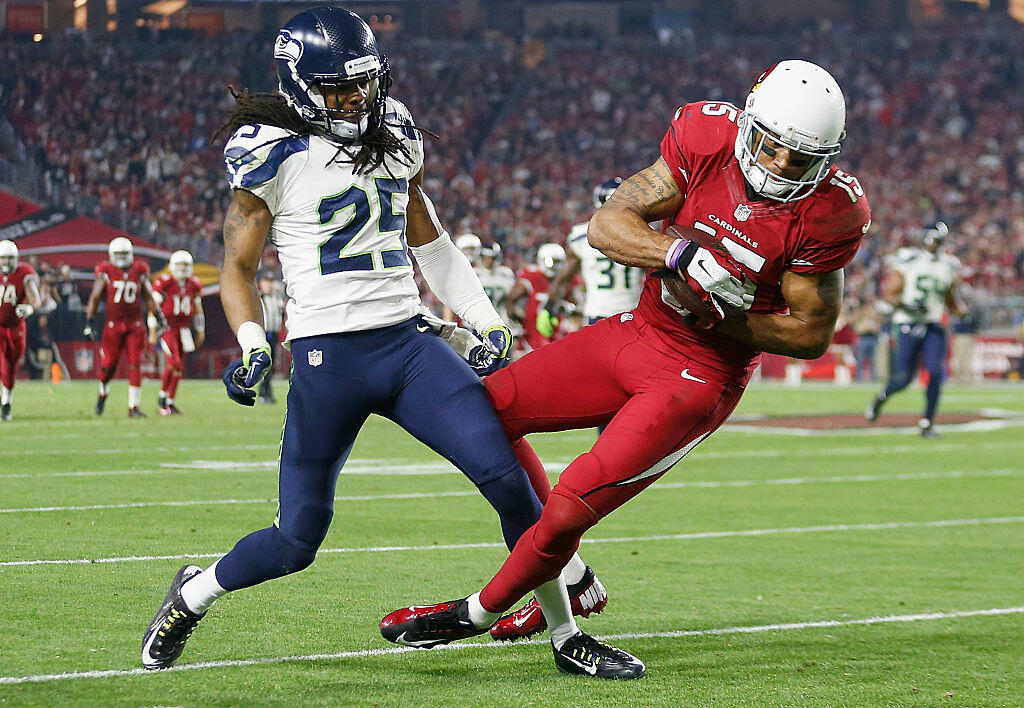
point(926, 280)
point(611, 287)
point(340, 236)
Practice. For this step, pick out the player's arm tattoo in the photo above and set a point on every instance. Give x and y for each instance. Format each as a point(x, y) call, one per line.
point(806, 332)
point(620, 228)
point(246, 226)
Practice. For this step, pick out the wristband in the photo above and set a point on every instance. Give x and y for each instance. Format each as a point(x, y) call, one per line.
point(251, 336)
point(199, 322)
point(675, 251)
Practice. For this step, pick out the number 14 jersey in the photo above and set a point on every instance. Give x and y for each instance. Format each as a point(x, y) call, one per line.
point(340, 236)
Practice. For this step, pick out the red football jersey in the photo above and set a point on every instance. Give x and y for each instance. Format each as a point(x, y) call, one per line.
point(124, 290)
point(818, 234)
point(537, 296)
point(12, 292)
point(179, 298)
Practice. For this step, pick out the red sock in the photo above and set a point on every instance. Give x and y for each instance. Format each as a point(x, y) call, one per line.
point(165, 380)
point(173, 385)
point(534, 468)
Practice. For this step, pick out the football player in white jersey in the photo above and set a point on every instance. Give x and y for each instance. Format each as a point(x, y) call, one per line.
point(919, 288)
point(331, 172)
point(610, 287)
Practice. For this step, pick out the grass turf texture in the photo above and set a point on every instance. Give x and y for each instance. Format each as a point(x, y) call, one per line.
point(90, 616)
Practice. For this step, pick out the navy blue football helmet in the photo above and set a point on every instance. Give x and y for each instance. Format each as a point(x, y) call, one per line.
point(603, 191)
point(324, 48)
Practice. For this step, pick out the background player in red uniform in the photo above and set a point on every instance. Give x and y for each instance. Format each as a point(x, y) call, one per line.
point(532, 284)
point(761, 182)
point(180, 297)
point(125, 282)
point(19, 297)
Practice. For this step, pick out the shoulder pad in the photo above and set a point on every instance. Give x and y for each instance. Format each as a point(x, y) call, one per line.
point(254, 153)
point(838, 209)
point(706, 127)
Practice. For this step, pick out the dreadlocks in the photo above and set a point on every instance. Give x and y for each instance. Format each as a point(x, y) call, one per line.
point(366, 153)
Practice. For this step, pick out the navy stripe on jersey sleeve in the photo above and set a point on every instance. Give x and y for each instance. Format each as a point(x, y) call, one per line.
point(268, 170)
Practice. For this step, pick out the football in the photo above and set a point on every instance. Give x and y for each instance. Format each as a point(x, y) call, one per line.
point(700, 312)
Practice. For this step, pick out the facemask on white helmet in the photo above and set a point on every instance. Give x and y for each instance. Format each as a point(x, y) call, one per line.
point(180, 265)
point(8, 256)
point(550, 257)
point(121, 252)
point(799, 107)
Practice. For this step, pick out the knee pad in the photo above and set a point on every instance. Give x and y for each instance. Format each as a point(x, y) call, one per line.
point(513, 497)
point(565, 519)
point(292, 556)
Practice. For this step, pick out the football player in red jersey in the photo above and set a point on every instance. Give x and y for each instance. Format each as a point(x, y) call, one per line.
point(19, 297)
point(763, 182)
point(532, 284)
point(179, 295)
point(125, 281)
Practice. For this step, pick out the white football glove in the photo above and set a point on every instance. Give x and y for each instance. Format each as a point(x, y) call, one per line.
point(23, 310)
point(723, 287)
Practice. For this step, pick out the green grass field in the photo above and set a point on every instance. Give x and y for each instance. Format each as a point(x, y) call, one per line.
point(838, 569)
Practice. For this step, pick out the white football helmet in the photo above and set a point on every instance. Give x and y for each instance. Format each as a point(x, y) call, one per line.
point(470, 245)
point(799, 106)
point(121, 252)
point(550, 257)
point(8, 256)
point(180, 265)
point(492, 251)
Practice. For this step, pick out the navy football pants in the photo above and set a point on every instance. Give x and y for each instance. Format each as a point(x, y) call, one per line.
point(337, 381)
point(917, 345)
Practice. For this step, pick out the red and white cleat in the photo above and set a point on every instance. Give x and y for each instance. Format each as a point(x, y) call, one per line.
point(586, 597)
point(426, 626)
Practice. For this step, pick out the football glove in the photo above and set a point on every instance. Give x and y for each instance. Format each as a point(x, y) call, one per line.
point(498, 339)
point(493, 352)
point(23, 310)
point(242, 376)
point(547, 321)
point(715, 281)
point(89, 332)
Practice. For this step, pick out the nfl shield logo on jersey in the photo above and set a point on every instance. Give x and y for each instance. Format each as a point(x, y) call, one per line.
point(316, 357)
point(742, 212)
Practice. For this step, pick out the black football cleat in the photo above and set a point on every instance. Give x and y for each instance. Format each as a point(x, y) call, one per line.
point(928, 430)
point(172, 626)
point(173, 409)
point(586, 597)
point(871, 414)
point(161, 405)
point(101, 402)
point(427, 626)
point(136, 413)
point(582, 654)
point(5, 412)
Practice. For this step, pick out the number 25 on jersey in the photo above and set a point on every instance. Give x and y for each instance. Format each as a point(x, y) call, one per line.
point(341, 252)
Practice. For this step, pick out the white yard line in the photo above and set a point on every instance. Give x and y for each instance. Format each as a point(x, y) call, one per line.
point(402, 468)
point(465, 646)
point(624, 539)
point(784, 481)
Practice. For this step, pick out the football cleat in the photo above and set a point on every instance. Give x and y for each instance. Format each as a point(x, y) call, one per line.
point(136, 413)
point(101, 401)
point(928, 430)
point(426, 626)
point(582, 654)
point(873, 409)
point(586, 597)
point(5, 412)
point(173, 409)
point(172, 626)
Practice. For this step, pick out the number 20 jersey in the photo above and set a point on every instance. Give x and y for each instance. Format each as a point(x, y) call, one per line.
point(340, 236)
point(817, 234)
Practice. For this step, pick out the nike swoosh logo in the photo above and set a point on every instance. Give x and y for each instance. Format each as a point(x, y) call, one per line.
point(701, 264)
point(401, 639)
point(520, 621)
point(422, 328)
point(690, 377)
point(589, 668)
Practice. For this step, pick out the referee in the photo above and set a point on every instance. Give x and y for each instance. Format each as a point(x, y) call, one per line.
point(272, 297)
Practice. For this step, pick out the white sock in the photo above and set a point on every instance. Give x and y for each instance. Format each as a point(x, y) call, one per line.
point(104, 388)
point(170, 401)
point(163, 393)
point(478, 615)
point(202, 590)
point(574, 570)
point(134, 396)
point(5, 395)
point(554, 603)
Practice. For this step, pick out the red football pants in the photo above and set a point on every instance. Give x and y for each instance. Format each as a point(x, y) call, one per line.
point(119, 336)
point(657, 403)
point(12, 348)
point(170, 342)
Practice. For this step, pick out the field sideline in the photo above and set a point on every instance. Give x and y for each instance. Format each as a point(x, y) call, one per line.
point(770, 567)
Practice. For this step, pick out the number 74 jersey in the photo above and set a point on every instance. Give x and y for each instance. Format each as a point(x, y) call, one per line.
point(340, 236)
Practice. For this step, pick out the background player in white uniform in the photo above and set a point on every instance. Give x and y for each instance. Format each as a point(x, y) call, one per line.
point(610, 287)
point(497, 280)
point(331, 171)
point(919, 288)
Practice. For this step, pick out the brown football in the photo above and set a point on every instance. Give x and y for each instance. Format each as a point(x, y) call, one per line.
point(701, 313)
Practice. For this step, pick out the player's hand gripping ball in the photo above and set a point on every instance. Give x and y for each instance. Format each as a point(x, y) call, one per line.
point(707, 282)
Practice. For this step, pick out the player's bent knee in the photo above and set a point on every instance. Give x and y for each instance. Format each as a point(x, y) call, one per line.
point(563, 522)
point(292, 556)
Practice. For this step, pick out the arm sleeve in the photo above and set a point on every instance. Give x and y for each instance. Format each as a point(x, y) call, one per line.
point(450, 276)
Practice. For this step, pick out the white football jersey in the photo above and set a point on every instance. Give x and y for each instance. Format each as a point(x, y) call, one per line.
point(610, 287)
point(340, 236)
point(927, 277)
point(497, 283)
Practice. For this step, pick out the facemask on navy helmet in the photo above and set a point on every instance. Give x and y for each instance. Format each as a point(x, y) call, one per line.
point(603, 191)
point(328, 50)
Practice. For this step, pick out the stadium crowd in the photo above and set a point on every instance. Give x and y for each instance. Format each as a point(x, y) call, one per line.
point(122, 129)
